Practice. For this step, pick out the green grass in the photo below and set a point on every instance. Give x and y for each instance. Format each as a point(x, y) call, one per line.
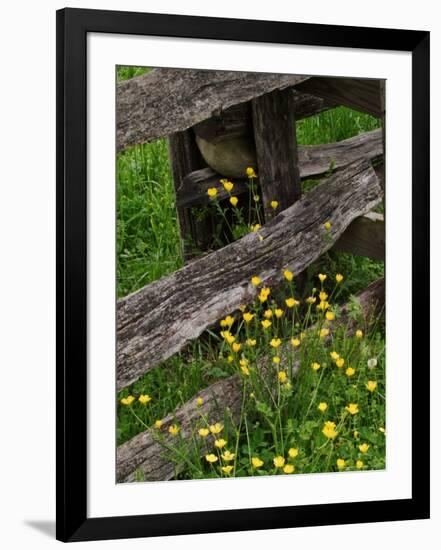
point(148, 244)
point(148, 247)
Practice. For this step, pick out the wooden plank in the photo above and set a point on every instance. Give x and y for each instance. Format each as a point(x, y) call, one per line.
point(361, 94)
point(184, 159)
point(166, 101)
point(158, 320)
point(236, 121)
point(314, 160)
point(364, 237)
point(146, 454)
point(276, 150)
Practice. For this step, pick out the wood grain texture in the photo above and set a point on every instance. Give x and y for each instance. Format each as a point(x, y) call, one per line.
point(361, 94)
point(185, 158)
point(158, 320)
point(166, 101)
point(236, 121)
point(147, 455)
point(314, 161)
point(364, 237)
point(276, 150)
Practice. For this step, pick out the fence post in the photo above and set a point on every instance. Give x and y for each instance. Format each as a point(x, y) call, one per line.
point(184, 159)
point(276, 148)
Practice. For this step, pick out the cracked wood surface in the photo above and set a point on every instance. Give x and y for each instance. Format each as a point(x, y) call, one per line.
point(165, 101)
point(158, 320)
point(146, 454)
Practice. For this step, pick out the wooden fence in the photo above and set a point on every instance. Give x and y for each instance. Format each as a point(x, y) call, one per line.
point(204, 114)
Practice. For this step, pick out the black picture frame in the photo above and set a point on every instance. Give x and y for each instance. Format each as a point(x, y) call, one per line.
point(71, 430)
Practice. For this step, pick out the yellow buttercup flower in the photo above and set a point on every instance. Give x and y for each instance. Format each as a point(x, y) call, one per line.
point(127, 400)
point(276, 360)
point(293, 452)
point(315, 366)
point(243, 362)
point(352, 408)
point(278, 312)
point(220, 443)
point(371, 385)
point(341, 463)
point(234, 201)
point(158, 424)
point(339, 277)
point(274, 204)
point(212, 192)
point(364, 447)
point(322, 277)
point(266, 323)
point(227, 322)
point(216, 428)
point(268, 314)
point(340, 362)
point(323, 305)
point(281, 375)
point(211, 458)
point(227, 469)
point(295, 342)
point(228, 456)
point(324, 332)
point(291, 302)
point(322, 406)
point(247, 317)
point(251, 342)
point(199, 401)
point(311, 299)
point(203, 432)
point(236, 347)
point(330, 316)
point(329, 430)
point(288, 275)
point(144, 399)
point(359, 464)
point(350, 371)
point(263, 296)
point(323, 296)
point(245, 370)
point(255, 228)
point(174, 429)
point(256, 462)
point(359, 333)
point(255, 280)
point(228, 186)
point(334, 355)
point(251, 173)
point(288, 469)
point(279, 461)
point(275, 342)
point(327, 226)
point(230, 359)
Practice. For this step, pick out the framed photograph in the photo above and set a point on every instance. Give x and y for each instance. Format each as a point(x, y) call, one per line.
point(230, 353)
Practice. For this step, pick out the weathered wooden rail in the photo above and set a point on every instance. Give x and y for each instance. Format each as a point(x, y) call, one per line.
point(218, 122)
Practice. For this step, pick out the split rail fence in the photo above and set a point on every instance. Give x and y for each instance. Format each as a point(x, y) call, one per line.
point(203, 114)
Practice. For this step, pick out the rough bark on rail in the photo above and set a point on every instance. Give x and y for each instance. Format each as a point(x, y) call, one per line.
point(158, 320)
point(165, 101)
point(146, 454)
